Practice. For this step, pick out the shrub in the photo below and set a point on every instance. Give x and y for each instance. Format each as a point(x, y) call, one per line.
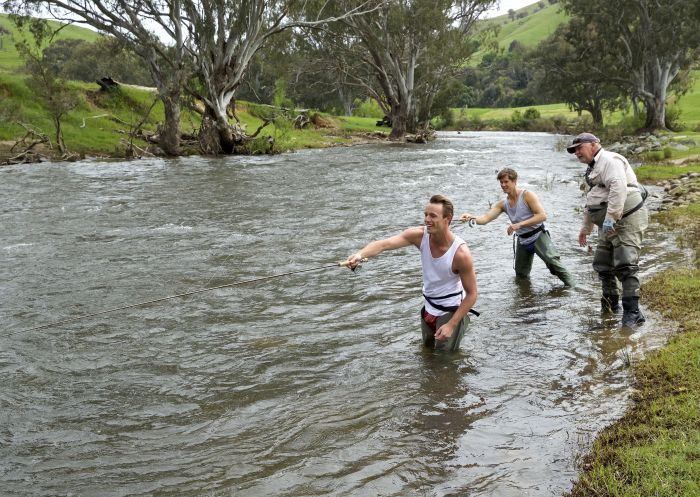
point(531, 113)
point(367, 108)
point(673, 119)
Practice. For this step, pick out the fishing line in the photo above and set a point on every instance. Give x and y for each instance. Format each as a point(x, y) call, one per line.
point(185, 294)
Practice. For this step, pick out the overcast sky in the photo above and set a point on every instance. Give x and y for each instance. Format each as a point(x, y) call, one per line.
point(505, 5)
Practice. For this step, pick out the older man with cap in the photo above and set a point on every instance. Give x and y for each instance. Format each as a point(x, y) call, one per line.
point(615, 203)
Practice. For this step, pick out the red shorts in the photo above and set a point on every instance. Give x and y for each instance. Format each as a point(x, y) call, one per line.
point(429, 319)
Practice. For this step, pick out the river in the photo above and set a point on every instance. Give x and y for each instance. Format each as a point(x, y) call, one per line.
point(313, 383)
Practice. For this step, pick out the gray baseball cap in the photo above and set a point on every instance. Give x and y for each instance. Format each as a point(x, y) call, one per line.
point(582, 138)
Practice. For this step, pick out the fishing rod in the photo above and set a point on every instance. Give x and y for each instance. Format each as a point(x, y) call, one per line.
point(185, 294)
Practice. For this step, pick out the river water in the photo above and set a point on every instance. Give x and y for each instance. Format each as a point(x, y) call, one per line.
point(313, 383)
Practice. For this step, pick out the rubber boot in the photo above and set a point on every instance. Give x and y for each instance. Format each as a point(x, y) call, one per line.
point(631, 314)
point(610, 303)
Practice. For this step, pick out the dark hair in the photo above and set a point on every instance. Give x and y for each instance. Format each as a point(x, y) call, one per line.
point(508, 172)
point(448, 208)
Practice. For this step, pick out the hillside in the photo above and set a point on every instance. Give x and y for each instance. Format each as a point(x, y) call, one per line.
point(528, 30)
point(10, 61)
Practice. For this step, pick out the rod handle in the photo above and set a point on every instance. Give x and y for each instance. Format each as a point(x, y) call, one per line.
point(345, 263)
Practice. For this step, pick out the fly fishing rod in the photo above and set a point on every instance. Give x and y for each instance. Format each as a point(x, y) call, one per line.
point(185, 294)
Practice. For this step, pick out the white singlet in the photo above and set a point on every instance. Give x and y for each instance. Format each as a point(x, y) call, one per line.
point(438, 278)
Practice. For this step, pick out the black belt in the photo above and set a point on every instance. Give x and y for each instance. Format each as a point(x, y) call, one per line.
point(532, 232)
point(451, 308)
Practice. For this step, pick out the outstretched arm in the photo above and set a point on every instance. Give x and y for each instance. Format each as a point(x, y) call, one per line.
point(464, 266)
point(486, 218)
point(411, 236)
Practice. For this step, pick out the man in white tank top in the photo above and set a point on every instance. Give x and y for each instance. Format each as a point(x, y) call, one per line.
point(449, 281)
point(527, 217)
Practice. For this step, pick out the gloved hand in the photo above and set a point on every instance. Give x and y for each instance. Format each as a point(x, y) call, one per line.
point(608, 226)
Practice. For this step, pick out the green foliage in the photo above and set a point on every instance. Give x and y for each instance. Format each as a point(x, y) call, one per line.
point(673, 118)
point(280, 97)
point(531, 114)
point(525, 120)
point(81, 60)
point(367, 108)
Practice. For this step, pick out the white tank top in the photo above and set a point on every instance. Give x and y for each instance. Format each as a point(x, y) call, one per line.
point(438, 278)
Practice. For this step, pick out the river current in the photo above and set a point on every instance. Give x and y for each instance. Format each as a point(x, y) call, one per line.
point(312, 383)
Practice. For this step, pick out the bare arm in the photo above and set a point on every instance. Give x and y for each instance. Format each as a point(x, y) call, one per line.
point(464, 266)
point(410, 236)
point(486, 218)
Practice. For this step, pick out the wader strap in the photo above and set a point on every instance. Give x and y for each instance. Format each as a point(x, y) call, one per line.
point(633, 209)
point(451, 308)
point(532, 232)
point(642, 191)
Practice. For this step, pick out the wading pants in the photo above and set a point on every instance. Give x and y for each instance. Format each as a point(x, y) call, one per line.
point(452, 343)
point(545, 250)
point(616, 256)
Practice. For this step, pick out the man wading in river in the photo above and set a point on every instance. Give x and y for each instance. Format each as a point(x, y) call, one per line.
point(449, 281)
point(614, 203)
point(527, 217)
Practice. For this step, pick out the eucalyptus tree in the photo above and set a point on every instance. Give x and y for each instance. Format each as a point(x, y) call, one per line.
point(566, 65)
point(225, 35)
point(152, 28)
point(402, 53)
point(44, 80)
point(649, 43)
point(203, 46)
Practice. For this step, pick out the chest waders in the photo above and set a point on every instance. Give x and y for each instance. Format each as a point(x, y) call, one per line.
point(430, 324)
point(616, 257)
point(544, 248)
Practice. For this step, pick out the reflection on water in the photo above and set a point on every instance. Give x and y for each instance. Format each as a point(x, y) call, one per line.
point(308, 384)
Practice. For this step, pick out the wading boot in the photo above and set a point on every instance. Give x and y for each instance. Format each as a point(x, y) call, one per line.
point(610, 304)
point(631, 314)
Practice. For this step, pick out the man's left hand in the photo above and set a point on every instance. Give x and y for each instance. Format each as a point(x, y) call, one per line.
point(444, 332)
point(608, 227)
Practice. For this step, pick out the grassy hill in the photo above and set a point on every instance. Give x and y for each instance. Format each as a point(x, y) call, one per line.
point(9, 59)
point(528, 30)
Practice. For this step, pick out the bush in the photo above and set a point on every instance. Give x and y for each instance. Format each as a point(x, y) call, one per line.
point(367, 108)
point(673, 119)
point(531, 113)
point(668, 153)
point(518, 121)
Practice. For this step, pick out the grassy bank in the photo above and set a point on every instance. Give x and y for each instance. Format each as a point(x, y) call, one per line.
point(654, 450)
point(102, 123)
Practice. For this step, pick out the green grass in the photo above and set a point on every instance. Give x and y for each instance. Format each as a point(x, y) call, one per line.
point(690, 103)
point(505, 113)
point(532, 29)
point(99, 125)
point(529, 30)
point(10, 60)
point(649, 173)
point(654, 450)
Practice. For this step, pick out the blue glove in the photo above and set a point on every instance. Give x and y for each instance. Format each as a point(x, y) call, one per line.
point(608, 225)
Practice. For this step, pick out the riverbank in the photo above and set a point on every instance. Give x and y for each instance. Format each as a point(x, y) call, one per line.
point(654, 449)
